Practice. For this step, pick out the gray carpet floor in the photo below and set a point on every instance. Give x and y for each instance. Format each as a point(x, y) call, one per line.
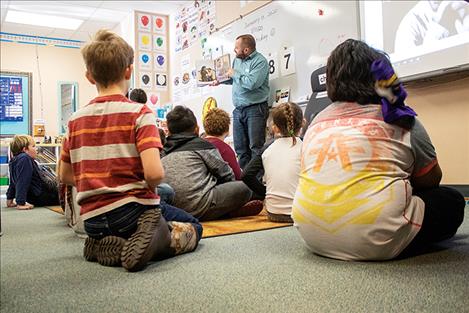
point(42, 270)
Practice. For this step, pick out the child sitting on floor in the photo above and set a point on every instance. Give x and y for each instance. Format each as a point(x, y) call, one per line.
point(204, 183)
point(217, 127)
point(369, 186)
point(111, 155)
point(29, 185)
point(280, 161)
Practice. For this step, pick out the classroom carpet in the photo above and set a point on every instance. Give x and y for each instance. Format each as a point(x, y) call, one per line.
point(43, 271)
point(229, 226)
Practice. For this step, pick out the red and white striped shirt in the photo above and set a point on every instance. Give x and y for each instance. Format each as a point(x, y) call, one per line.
point(104, 142)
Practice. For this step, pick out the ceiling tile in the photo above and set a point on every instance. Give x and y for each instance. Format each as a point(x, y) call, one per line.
point(93, 26)
point(57, 9)
point(26, 29)
point(83, 36)
point(62, 33)
point(109, 15)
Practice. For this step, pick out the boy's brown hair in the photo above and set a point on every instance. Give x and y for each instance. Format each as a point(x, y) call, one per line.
point(107, 58)
point(216, 122)
point(20, 142)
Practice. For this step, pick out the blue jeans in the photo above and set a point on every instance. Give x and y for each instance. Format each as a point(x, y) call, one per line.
point(122, 222)
point(166, 193)
point(249, 124)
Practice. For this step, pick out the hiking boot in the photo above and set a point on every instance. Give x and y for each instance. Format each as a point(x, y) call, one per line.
point(106, 251)
point(251, 208)
point(183, 237)
point(151, 238)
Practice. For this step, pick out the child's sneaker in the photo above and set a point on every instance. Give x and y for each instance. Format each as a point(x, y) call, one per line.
point(251, 208)
point(151, 238)
point(279, 218)
point(106, 251)
point(183, 237)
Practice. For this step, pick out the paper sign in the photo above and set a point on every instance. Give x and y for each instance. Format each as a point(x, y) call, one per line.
point(287, 61)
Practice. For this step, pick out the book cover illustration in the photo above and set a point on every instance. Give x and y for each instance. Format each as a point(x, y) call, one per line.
point(222, 66)
point(205, 72)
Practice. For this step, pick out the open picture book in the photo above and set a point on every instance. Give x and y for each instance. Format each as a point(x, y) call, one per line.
point(209, 71)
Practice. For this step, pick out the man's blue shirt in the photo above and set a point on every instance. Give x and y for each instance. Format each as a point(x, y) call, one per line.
point(250, 80)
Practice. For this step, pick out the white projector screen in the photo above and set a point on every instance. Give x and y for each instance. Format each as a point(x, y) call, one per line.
point(423, 38)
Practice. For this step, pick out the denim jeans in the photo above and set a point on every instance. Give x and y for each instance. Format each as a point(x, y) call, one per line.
point(166, 193)
point(122, 221)
point(249, 124)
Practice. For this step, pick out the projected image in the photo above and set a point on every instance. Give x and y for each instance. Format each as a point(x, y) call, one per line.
point(422, 38)
point(424, 23)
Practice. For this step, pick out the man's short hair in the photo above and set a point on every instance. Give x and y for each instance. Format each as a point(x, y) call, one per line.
point(216, 122)
point(20, 142)
point(107, 57)
point(181, 120)
point(138, 95)
point(248, 40)
point(349, 76)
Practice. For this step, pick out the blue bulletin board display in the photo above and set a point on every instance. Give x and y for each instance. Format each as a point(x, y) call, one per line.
point(15, 103)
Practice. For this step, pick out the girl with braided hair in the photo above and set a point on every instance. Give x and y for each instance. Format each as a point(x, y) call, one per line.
point(280, 162)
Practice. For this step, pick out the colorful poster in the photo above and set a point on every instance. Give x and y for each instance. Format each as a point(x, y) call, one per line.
point(144, 61)
point(144, 41)
point(144, 22)
point(11, 101)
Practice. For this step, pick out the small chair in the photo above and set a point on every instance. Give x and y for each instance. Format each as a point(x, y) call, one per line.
point(318, 100)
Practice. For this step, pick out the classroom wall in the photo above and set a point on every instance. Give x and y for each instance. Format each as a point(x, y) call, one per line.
point(443, 108)
point(54, 64)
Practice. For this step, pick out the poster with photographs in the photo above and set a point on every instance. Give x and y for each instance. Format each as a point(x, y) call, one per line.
point(144, 22)
point(159, 42)
point(159, 24)
point(144, 61)
point(144, 41)
point(159, 61)
point(161, 81)
point(194, 21)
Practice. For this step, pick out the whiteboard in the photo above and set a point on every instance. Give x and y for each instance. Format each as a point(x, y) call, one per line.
point(309, 30)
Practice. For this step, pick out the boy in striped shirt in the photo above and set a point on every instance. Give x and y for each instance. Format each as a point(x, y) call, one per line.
point(111, 154)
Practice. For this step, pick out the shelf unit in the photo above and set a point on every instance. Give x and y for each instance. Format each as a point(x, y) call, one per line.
point(48, 154)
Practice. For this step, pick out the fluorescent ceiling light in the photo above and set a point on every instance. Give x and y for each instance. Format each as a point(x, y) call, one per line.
point(42, 20)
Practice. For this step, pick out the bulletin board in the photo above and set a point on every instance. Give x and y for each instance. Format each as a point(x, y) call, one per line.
point(15, 103)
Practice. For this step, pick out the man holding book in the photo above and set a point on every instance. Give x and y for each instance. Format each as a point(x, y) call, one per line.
point(250, 79)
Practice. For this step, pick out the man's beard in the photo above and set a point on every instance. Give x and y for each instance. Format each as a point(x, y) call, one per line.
point(241, 56)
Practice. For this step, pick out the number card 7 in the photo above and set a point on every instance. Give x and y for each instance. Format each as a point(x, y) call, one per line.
point(287, 61)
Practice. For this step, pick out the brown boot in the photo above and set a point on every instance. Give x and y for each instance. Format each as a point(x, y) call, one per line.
point(106, 251)
point(251, 208)
point(151, 237)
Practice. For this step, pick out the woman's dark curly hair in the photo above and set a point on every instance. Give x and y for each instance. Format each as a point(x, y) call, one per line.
point(349, 76)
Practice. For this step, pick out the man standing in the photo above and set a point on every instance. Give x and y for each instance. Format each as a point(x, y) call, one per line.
point(250, 80)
